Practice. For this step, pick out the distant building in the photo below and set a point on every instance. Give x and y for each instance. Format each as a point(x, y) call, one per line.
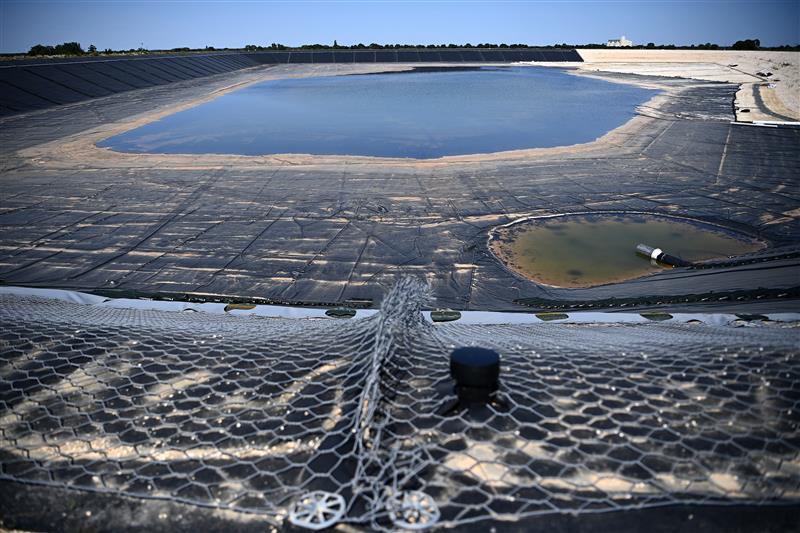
point(622, 42)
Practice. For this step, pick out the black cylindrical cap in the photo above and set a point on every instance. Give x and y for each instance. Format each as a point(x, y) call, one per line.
point(475, 368)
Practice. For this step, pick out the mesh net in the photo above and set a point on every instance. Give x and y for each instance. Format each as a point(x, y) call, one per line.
point(251, 414)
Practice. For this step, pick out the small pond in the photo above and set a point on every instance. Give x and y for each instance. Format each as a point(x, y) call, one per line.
point(587, 250)
point(409, 115)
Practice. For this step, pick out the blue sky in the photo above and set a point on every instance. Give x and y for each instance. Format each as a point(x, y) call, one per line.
point(168, 24)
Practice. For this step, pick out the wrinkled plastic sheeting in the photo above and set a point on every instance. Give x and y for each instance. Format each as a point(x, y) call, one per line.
point(84, 229)
point(28, 85)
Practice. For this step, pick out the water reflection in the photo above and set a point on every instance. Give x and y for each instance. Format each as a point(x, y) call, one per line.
point(418, 115)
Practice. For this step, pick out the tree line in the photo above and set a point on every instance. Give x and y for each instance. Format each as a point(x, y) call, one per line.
point(75, 49)
point(376, 46)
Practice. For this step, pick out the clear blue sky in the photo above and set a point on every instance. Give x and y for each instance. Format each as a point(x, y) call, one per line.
point(169, 24)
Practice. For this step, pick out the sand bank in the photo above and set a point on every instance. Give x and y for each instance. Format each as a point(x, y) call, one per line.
point(775, 97)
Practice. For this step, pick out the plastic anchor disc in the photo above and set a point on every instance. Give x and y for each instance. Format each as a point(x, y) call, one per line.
point(317, 510)
point(412, 509)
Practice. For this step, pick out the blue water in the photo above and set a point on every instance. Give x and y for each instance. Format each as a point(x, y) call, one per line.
point(417, 115)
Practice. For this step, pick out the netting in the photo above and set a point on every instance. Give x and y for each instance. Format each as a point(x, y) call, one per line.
point(259, 415)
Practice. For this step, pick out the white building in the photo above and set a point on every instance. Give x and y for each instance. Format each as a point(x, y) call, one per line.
point(622, 42)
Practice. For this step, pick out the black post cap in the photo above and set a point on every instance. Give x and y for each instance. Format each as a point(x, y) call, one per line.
point(475, 371)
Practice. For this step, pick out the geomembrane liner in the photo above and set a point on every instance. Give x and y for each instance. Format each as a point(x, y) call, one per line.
point(253, 414)
point(30, 84)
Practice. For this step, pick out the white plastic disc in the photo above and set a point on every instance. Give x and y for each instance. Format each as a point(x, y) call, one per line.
point(317, 510)
point(412, 509)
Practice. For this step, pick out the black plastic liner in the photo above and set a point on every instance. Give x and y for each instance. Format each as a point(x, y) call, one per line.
point(31, 84)
point(314, 234)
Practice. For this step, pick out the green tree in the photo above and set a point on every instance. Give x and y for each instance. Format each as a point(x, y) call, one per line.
point(41, 50)
point(747, 44)
point(69, 49)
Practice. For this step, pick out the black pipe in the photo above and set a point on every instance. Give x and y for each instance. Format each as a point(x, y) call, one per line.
point(657, 254)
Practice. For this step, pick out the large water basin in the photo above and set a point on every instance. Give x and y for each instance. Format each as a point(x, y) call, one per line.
point(407, 115)
point(587, 250)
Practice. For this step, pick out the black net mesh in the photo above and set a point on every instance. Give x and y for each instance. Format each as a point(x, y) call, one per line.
point(251, 414)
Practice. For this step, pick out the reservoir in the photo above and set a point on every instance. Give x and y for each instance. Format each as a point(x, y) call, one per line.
point(406, 115)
